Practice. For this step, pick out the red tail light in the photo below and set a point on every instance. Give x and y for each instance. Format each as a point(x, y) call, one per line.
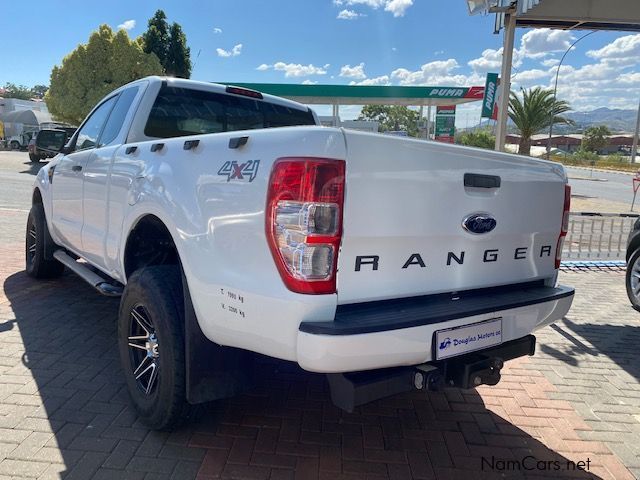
point(564, 228)
point(304, 221)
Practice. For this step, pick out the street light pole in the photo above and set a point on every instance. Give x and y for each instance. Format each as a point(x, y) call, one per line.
point(505, 78)
point(555, 91)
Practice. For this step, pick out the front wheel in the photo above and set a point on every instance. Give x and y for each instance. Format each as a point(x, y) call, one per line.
point(633, 279)
point(151, 345)
point(37, 236)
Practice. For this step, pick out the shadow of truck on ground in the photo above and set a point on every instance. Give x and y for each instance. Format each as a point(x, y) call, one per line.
point(61, 387)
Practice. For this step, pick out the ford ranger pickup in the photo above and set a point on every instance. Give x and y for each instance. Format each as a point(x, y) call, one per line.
point(231, 224)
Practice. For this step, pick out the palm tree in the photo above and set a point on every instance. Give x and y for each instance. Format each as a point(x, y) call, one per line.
point(537, 110)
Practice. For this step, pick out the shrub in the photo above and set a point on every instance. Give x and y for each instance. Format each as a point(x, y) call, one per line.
point(477, 138)
point(617, 158)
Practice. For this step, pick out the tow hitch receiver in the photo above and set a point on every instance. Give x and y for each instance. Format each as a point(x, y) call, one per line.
point(483, 367)
point(348, 390)
point(475, 372)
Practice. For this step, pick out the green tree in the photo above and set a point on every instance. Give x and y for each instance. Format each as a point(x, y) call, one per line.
point(595, 138)
point(39, 91)
point(479, 138)
point(156, 38)
point(108, 61)
point(169, 44)
point(537, 110)
point(17, 91)
point(179, 55)
point(392, 118)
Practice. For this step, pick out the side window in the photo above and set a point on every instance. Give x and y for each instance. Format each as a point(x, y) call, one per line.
point(88, 134)
point(117, 116)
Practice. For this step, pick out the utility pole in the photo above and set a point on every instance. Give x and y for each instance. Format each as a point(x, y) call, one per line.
point(634, 148)
point(505, 78)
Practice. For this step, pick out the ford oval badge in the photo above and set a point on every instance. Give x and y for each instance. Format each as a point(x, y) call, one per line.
point(479, 223)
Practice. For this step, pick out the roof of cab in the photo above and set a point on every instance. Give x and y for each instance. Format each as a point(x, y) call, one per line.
point(213, 87)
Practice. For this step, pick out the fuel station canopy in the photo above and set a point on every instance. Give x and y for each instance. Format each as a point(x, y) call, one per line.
point(368, 94)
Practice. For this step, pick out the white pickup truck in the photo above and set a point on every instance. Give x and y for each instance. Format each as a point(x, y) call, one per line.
point(229, 222)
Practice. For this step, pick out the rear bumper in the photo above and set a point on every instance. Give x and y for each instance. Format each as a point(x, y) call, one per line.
point(400, 332)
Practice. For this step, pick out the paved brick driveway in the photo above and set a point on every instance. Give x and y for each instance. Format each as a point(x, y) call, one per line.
point(64, 410)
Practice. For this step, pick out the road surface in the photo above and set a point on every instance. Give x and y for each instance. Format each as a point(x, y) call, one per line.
point(616, 188)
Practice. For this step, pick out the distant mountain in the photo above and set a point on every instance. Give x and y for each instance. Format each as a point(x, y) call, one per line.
point(618, 121)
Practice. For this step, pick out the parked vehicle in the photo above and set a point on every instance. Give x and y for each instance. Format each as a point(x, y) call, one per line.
point(36, 154)
point(31, 149)
point(20, 142)
point(230, 222)
point(632, 279)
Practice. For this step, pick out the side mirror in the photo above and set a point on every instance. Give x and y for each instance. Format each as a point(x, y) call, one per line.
point(51, 140)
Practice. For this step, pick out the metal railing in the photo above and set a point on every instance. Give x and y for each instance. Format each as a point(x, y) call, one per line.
point(597, 236)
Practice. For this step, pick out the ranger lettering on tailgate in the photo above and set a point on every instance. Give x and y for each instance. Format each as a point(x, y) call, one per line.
point(490, 255)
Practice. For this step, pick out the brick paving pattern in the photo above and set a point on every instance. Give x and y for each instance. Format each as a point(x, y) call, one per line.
point(64, 411)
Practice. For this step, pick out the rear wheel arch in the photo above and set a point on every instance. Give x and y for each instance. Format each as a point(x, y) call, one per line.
point(36, 197)
point(149, 243)
point(632, 247)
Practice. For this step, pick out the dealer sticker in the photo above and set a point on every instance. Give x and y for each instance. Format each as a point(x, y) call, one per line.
point(468, 338)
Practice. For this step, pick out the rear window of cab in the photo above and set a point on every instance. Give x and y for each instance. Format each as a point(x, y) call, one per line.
point(179, 112)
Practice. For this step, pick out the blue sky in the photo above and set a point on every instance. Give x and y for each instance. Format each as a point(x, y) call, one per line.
point(407, 42)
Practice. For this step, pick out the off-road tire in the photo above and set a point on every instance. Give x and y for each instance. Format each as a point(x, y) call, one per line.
point(37, 238)
point(633, 263)
point(155, 292)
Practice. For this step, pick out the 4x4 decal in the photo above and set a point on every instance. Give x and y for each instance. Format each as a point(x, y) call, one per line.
point(244, 172)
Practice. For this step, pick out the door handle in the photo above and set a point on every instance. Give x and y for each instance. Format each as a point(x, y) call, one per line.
point(77, 168)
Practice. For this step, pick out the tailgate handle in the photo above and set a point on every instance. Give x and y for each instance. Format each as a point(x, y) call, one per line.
point(481, 181)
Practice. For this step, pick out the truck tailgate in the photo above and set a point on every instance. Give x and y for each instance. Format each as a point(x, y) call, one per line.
point(405, 208)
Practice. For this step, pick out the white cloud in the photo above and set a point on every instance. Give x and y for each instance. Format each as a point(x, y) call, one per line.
point(596, 85)
point(630, 78)
point(491, 61)
point(622, 51)
point(309, 82)
point(356, 72)
point(382, 80)
point(127, 25)
point(263, 67)
point(541, 42)
point(298, 70)
point(396, 7)
point(349, 15)
point(217, 30)
point(534, 44)
point(550, 62)
point(526, 77)
point(439, 72)
point(368, 3)
point(234, 52)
